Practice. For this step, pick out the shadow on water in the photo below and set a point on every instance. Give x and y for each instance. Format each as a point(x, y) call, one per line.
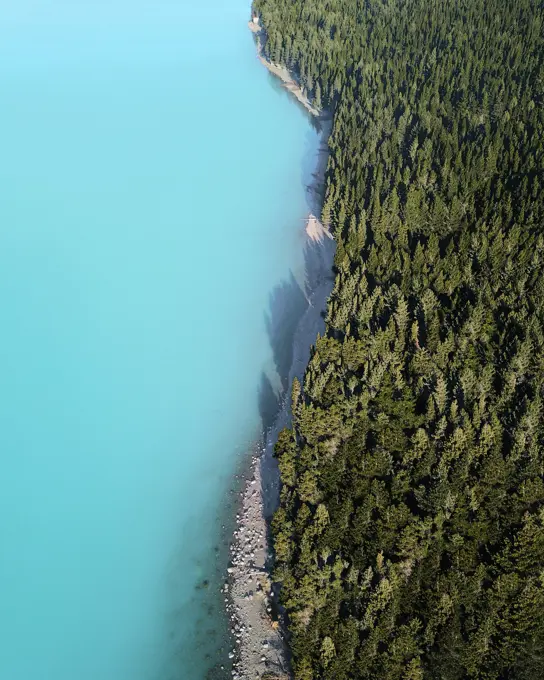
point(269, 401)
point(210, 640)
point(289, 299)
point(286, 303)
point(314, 162)
point(207, 641)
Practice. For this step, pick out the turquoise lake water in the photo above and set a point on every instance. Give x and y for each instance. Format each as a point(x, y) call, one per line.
point(151, 205)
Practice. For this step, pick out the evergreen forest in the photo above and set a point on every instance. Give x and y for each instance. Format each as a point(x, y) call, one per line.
point(409, 541)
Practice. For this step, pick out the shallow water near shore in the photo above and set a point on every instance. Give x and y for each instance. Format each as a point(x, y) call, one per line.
point(152, 196)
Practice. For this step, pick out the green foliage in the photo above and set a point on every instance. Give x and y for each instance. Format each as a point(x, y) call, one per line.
point(410, 536)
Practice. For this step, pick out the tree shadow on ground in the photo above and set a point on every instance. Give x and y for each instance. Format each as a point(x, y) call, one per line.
point(269, 402)
point(288, 302)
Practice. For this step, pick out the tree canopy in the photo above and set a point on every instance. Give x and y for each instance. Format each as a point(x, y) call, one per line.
point(409, 540)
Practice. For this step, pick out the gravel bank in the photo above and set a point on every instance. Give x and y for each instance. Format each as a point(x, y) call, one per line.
point(256, 623)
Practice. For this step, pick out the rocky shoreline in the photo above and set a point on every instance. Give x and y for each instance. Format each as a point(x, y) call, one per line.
point(256, 624)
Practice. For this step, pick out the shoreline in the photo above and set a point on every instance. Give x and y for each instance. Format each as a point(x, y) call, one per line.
point(282, 73)
point(256, 623)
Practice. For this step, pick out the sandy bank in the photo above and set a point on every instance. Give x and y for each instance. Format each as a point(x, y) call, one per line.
point(282, 73)
point(260, 650)
point(316, 231)
point(290, 84)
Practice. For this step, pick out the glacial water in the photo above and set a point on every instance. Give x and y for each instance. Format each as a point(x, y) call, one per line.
point(151, 205)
